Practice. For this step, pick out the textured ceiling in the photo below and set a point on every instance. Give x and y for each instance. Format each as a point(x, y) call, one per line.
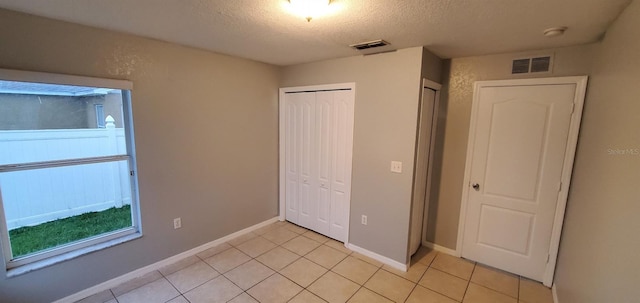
point(264, 30)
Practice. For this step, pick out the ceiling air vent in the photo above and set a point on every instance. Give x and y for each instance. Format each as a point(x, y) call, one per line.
point(373, 47)
point(540, 64)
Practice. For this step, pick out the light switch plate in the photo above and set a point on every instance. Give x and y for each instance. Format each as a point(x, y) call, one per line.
point(396, 166)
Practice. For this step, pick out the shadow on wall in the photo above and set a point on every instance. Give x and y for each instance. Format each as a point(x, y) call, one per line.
point(434, 196)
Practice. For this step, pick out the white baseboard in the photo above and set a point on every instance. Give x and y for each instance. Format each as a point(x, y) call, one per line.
point(442, 249)
point(155, 266)
point(393, 263)
point(554, 292)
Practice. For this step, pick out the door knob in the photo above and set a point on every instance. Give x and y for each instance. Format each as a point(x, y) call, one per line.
point(476, 186)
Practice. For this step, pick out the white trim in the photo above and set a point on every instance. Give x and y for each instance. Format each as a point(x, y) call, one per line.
point(119, 238)
point(155, 266)
point(570, 151)
point(281, 146)
point(393, 263)
point(49, 78)
point(554, 292)
point(58, 254)
point(281, 157)
point(467, 171)
point(567, 169)
point(315, 88)
point(442, 249)
point(431, 84)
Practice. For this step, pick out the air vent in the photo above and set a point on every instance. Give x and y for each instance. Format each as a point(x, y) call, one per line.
point(520, 66)
point(370, 44)
point(540, 64)
point(373, 47)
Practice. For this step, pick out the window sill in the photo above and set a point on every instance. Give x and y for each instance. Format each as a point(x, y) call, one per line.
point(23, 269)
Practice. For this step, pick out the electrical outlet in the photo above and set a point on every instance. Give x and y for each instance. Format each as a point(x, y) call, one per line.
point(177, 223)
point(364, 220)
point(396, 166)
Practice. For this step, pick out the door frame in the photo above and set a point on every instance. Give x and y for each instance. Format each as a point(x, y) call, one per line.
point(567, 168)
point(281, 143)
point(437, 87)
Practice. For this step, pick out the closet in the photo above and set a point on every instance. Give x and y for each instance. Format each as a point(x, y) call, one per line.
point(316, 142)
point(427, 121)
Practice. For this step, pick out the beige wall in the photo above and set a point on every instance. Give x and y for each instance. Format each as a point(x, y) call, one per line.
point(431, 67)
point(386, 113)
point(453, 126)
point(598, 259)
point(206, 134)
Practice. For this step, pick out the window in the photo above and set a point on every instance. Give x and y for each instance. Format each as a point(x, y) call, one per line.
point(100, 123)
point(67, 166)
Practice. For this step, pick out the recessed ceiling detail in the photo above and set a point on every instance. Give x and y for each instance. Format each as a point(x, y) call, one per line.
point(267, 31)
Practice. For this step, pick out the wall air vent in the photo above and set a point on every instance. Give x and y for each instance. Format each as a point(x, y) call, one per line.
point(373, 47)
point(537, 64)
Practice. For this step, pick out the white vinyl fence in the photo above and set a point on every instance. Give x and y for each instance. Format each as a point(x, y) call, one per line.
point(31, 197)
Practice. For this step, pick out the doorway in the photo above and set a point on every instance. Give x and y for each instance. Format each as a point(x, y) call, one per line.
point(426, 134)
point(520, 153)
point(316, 144)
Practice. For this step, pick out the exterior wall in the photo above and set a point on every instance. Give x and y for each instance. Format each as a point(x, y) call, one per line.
point(21, 112)
point(31, 112)
point(206, 136)
point(112, 106)
point(453, 126)
point(386, 111)
point(598, 259)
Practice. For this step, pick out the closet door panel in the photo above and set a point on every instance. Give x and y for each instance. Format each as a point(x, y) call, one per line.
point(318, 146)
point(306, 150)
point(292, 115)
point(324, 141)
point(342, 136)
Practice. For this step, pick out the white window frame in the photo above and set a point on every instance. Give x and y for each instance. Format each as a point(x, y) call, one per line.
point(51, 256)
point(100, 123)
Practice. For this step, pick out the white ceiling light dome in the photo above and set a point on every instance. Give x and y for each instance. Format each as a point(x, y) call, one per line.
point(309, 9)
point(555, 31)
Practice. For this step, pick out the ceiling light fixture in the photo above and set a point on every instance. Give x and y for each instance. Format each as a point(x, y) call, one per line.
point(309, 9)
point(554, 31)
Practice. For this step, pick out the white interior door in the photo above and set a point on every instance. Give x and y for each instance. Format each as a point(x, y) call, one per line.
point(518, 145)
point(419, 200)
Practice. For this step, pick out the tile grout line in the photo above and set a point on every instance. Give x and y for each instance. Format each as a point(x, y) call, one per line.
point(419, 279)
point(469, 282)
point(114, 295)
point(298, 258)
point(373, 291)
point(519, 281)
point(444, 272)
point(176, 288)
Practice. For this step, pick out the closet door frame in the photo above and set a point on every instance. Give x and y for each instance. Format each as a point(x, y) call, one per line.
point(282, 157)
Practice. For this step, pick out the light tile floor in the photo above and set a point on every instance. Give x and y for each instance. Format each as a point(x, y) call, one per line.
point(283, 262)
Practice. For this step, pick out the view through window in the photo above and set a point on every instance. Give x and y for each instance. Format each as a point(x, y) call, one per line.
point(66, 168)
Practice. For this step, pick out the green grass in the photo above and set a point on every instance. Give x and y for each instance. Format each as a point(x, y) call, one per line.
point(30, 239)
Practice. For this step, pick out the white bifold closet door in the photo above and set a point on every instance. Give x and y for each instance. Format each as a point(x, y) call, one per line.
point(318, 153)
